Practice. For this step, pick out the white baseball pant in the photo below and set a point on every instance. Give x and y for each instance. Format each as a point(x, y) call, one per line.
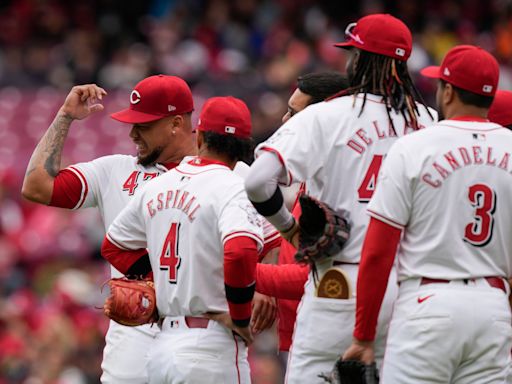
point(323, 329)
point(126, 352)
point(456, 332)
point(197, 352)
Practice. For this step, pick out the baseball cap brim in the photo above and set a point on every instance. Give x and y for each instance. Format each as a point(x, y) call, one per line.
point(133, 117)
point(346, 44)
point(434, 72)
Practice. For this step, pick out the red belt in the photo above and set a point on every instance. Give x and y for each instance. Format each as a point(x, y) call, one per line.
point(196, 322)
point(494, 281)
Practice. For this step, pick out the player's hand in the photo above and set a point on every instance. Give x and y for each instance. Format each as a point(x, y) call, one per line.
point(225, 319)
point(264, 311)
point(360, 350)
point(82, 101)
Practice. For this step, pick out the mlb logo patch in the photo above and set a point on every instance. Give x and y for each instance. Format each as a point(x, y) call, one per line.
point(400, 52)
point(229, 129)
point(479, 136)
point(487, 88)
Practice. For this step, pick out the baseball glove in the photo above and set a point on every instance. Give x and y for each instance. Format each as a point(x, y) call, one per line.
point(352, 372)
point(131, 302)
point(322, 231)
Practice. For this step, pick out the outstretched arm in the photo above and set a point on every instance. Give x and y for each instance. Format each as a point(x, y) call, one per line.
point(45, 162)
point(282, 281)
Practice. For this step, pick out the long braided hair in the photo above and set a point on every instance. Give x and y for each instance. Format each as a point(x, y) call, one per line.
point(388, 77)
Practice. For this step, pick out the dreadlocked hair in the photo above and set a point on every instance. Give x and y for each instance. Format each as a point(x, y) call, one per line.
point(388, 77)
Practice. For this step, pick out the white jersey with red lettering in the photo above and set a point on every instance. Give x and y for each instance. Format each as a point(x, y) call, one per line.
point(184, 218)
point(109, 183)
point(461, 171)
point(338, 151)
point(449, 188)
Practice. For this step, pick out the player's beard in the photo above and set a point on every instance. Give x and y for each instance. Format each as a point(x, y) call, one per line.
point(151, 158)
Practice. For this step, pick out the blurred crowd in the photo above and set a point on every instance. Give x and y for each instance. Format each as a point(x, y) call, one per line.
point(51, 330)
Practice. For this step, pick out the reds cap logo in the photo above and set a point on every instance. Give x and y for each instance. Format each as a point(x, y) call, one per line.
point(134, 97)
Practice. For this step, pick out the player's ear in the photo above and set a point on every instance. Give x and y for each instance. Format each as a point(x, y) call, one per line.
point(199, 139)
point(449, 93)
point(177, 121)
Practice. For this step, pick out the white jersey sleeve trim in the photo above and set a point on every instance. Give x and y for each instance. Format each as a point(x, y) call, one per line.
point(85, 186)
point(117, 244)
point(385, 219)
point(272, 237)
point(254, 236)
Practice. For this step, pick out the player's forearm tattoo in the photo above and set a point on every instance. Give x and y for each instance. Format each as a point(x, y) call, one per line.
point(49, 150)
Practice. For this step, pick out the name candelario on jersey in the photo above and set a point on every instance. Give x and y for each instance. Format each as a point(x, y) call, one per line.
point(176, 199)
point(461, 157)
point(363, 138)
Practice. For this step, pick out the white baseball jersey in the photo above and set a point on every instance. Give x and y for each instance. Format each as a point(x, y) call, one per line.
point(110, 182)
point(450, 187)
point(339, 153)
point(184, 217)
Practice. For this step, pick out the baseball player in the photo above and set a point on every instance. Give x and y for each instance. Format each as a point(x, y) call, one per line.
point(501, 111)
point(203, 237)
point(444, 197)
point(337, 147)
point(286, 280)
point(160, 111)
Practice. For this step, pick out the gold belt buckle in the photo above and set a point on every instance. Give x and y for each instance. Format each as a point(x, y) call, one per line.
point(334, 284)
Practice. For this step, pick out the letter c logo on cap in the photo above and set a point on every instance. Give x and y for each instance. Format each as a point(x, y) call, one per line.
point(134, 97)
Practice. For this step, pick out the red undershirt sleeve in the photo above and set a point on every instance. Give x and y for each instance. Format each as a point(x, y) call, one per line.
point(240, 258)
point(284, 281)
point(126, 261)
point(272, 244)
point(378, 254)
point(67, 190)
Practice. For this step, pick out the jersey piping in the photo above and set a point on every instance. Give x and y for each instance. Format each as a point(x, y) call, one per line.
point(85, 187)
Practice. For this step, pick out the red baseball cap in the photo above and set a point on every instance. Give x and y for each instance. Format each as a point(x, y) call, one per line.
point(468, 67)
point(226, 116)
point(501, 108)
point(157, 97)
point(380, 33)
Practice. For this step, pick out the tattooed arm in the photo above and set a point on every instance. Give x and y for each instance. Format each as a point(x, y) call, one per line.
point(44, 164)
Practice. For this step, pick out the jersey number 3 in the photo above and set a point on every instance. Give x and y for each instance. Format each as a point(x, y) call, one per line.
point(483, 200)
point(169, 259)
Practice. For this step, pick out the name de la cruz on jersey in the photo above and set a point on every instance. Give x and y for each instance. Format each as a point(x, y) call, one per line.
point(364, 138)
point(453, 160)
point(174, 198)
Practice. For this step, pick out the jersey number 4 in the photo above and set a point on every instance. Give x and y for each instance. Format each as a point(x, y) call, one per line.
point(169, 258)
point(132, 182)
point(367, 187)
point(483, 200)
